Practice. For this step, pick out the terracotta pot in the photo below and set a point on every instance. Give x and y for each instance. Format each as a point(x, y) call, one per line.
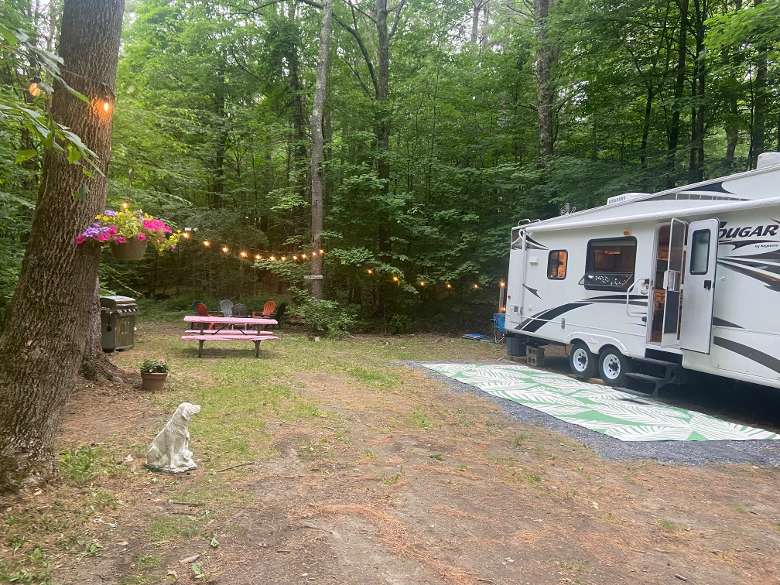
point(153, 381)
point(133, 249)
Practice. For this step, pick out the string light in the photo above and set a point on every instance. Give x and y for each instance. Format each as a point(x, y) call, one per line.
point(422, 283)
point(125, 205)
point(284, 258)
point(396, 279)
point(322, 251)
point(34, 88)
point(314, 254)
point(476, 285)
point(303, 256)
point(243, 254)
point(206, 243)
point(225, 249)
point(295, 258)
point(502, 284)
point(370, 271)
point(185, 235)
point(272, 258)
point(448, 285)
point(258, 257)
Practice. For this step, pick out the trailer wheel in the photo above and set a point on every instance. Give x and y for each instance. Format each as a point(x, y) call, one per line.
point(614, 366)
point(581, 361)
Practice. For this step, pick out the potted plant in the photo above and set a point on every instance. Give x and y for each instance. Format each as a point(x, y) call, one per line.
point(128, 233)
point(153, 374)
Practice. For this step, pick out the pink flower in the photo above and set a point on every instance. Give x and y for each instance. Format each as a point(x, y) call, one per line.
point(103, 237)
point(80, 239)
point(141, 237)
point(120, 240)
point(112, 229)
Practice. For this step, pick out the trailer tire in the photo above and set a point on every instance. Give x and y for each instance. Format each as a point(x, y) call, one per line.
point(582, 361)
point(614, 366)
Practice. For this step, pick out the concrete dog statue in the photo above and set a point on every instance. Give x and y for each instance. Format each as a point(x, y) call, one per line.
point(170, 449)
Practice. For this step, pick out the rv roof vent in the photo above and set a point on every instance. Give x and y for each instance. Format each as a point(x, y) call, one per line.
point(768, 159)
point(624, 197)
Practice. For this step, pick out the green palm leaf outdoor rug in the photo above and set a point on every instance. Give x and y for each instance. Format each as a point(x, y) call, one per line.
point(596, 407)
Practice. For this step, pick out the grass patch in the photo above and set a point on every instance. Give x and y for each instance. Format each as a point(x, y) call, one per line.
point(420, 419)
point(374, 377)
point(169, 528)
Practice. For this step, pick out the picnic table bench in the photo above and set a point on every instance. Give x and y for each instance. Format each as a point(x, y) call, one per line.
point(213, 328)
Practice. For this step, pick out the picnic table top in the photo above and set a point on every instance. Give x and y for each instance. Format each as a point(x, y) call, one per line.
point(230, 320)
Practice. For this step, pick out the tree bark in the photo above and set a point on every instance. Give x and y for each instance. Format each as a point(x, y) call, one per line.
point(95, 365)
point(546, 56)
point(698, 86)
point(48, 317)
point(679, 87)
point(318, 145)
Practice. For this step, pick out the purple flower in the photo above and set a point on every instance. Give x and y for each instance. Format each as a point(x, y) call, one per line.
point(109, 212)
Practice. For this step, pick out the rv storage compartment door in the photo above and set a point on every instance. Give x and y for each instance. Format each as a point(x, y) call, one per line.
point(672, 282)
point(699, 289)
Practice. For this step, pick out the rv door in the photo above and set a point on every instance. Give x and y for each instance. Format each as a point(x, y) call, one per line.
point(673, 283)
point(699, 291)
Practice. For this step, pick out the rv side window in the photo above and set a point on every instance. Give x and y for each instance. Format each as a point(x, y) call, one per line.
point(700, 252)
point(610, 264)
point(556, 264)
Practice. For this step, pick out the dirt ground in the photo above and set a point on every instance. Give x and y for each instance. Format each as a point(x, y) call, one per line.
point(378, 475)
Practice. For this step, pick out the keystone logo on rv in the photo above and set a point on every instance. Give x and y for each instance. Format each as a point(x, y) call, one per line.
point(749, 231)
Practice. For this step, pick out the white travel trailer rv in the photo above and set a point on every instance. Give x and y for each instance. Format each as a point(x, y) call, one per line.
point(651, 284)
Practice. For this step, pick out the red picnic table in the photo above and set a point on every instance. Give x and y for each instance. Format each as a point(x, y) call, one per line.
point(212, 328)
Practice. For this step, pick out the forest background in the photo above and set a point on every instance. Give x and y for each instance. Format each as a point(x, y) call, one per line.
point(446, 123)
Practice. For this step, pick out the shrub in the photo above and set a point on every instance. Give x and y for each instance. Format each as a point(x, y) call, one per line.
point(325, 317)
point(152, 366)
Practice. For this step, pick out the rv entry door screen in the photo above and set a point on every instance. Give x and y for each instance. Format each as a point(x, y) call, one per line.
point(673, 283)
point(699, 286)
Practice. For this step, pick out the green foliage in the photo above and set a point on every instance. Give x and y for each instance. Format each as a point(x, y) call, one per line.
point(325, 317)
point(81, 465)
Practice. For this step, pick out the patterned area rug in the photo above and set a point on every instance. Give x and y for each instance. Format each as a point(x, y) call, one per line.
point(596, 407)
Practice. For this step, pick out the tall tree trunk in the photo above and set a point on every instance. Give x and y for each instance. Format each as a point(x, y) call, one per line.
point(298, 110)
point(679, 87)
point(731, 93)
point(698, 85)
point(545, 59)
point(760, 104)
point(646, 128)
point(220, 97)
point(48, 317)
point(318, 145)
point(476, 8)
point(95, 364)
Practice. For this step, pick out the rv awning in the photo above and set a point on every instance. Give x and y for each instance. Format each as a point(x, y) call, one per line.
point(711, 210)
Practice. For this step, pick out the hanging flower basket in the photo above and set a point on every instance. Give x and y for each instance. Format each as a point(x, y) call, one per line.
point(133, 249)
point(128, 233)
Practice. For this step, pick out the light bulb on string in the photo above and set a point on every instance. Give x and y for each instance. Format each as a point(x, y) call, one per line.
point(502, 284)
point(272, 258)
point(243, 254)
point(295, 258)
point(225, 249)
point(284, 258)
point(448, 285)
point(185, 235)
point(370, 271)
point(314, 254)
point(304, 256)
point(125, 205)
point(322, 251)
point(476, 285)
point(396, 279)
point(258, 257)
point(206, 243)
point(422, 283)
